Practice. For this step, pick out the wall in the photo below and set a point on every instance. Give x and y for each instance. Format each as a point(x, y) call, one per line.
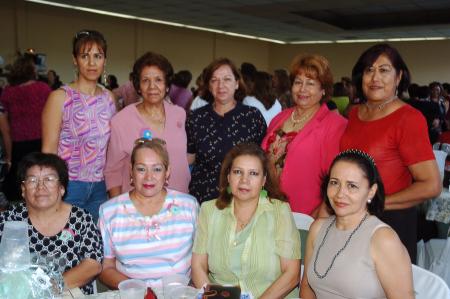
point(427, 60)
point(50, 30)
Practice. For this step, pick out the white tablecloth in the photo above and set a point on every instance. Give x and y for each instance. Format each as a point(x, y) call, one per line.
point(439, 207)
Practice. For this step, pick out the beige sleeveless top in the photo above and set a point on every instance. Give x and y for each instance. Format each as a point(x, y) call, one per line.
point(353, 272)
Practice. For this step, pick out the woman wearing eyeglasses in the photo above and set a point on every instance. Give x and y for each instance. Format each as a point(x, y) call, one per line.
point(147, 232)
point(149, 118)
point(76, 123)
point(214, 129)
point(56, 228)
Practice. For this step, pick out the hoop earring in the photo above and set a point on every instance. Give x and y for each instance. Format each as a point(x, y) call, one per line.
point(75, 72)
point(104, 77)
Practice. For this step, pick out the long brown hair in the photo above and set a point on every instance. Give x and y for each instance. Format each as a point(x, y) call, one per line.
point(262, 89)
point(247, 149)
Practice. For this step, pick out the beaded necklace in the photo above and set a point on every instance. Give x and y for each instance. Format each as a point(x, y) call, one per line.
point(301, 120)
point(382, 105)
point(321, 276)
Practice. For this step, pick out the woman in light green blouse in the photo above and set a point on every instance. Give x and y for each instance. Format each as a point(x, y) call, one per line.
point(247, 236)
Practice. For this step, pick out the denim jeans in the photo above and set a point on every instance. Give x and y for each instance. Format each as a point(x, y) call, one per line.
point(87, 195)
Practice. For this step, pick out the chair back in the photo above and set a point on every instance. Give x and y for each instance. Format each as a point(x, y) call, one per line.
point(440, 159)
point(302, 221)
point(428, 285)
point(436, 145)
point(445, 147)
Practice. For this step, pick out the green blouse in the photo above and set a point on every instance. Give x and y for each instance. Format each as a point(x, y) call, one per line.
point(272, 235)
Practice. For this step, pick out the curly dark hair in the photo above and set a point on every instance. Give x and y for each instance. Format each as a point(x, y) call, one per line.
point(368, 58)
point(247, 149)
point(370, 171)
point(23, 70)
point(44, 160)
point(152, 59)
point(208, 72)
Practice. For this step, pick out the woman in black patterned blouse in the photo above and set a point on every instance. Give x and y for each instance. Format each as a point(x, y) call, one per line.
point(215, 128)
point(56, 228)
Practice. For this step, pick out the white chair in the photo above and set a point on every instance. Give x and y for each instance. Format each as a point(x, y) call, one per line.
point(428, 285)
point(440, 159)
point(445, 147)
point(437, 146)
point(302, 221)
point(95, 286)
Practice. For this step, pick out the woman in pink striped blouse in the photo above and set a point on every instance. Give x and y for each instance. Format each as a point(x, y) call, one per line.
point(147, 232)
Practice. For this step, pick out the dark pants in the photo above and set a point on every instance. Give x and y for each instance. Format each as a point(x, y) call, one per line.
point(404, 222)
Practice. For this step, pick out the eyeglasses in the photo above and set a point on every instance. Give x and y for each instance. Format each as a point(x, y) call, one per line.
point(32, 182)
point(81, 34)
point(144, 140)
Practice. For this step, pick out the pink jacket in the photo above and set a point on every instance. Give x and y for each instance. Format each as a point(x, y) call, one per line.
point(309, 156)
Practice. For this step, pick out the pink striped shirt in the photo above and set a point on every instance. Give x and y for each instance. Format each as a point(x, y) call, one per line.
point(149, 247)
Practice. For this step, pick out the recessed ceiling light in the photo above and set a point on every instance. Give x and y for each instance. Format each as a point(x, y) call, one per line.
point(311, 42)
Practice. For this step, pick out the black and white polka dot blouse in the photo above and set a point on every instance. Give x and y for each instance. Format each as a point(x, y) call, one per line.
point(211, 136)
point(78, 240)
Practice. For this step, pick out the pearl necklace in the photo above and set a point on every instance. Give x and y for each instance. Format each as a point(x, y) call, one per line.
point(382, 105)
point(321, 276)
point(302, 119)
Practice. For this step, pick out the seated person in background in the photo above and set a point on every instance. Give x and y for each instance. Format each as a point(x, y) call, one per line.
point(353, 254)
point(147, 232)
point(263, 97)
point(282, 87)
point(247, 236)
point(111, 82)
point(429, 110)
point(340, 97)
point(55, 227)
point(125, 93)
point(179, 92)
